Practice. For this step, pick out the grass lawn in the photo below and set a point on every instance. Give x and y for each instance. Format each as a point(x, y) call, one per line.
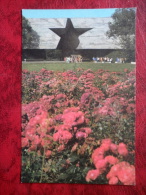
point(61, 66)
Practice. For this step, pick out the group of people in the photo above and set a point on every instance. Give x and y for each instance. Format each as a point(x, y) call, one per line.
point(73, 58)
point(102, 59)
point(120, 60)
point(108, 60)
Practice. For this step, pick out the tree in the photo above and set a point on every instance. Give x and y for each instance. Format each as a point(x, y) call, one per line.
point(30, 38)
point(123, 28)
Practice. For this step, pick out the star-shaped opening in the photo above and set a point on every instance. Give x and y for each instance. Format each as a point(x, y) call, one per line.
point(69, 36)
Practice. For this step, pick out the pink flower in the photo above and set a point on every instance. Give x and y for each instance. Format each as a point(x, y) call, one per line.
point(68, 161)
point(92, 175)
point(111, 160)
point(113, 180)
point(113, 171)
point(33, 147)
point(101, 164)
point(86, 130)
point(73, 118)
point(56, 136)
point(62, 127)
point(30, 133)
point(36, 140)
point(106, 141)
point(113, 148)
point(126, 174)
point(98, 154)
point(47, 141)
point(72, 109)
point(24, 142)
point(44, 123)
point(58, 117)
point(85, 98)
point(60, 96)
point(62, 136)
point(61, 148)
point(58, 105)
point(48, 153)
point(122, 149)
point(74, 147)
point(80, 135)
point(106, 144)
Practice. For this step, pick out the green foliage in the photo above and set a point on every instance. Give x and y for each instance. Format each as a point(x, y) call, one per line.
point(123, 27)
point(30, 88)
point(85, 65)
point(30, 38)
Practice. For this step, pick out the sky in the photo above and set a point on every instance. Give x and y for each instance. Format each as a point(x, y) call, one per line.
point(67, 13)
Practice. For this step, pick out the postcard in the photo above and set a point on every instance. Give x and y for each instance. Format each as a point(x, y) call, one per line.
point(78, 96)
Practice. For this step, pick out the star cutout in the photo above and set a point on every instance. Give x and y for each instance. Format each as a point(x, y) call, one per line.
point(69, 36)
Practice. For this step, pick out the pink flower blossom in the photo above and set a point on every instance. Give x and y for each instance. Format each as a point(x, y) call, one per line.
point(58, 117)
point(113, 148)
point(32, 147)
point(113, 171)
point(111, 160)
point(106, 144)
point(56, 136)
point(74, 147)
point(48, 153)
point(61, 148)
point(101, 164)
point(73, 118)
point(60, 96)
point(85, 98)
point(62, 127)
point(86, 130)
point(36, 140)
point(113, 180)
point(122, 149)
point(80, 135)
point(30, 133)
point(98, 154)
point(62, 136)
point(92, 175)
point(72, 109)
point(126, 174)
point(24, 142)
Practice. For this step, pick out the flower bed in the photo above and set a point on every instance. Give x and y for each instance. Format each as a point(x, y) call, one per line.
point(78, 127)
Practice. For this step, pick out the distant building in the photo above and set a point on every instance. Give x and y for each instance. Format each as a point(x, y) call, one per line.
point(92, 42)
